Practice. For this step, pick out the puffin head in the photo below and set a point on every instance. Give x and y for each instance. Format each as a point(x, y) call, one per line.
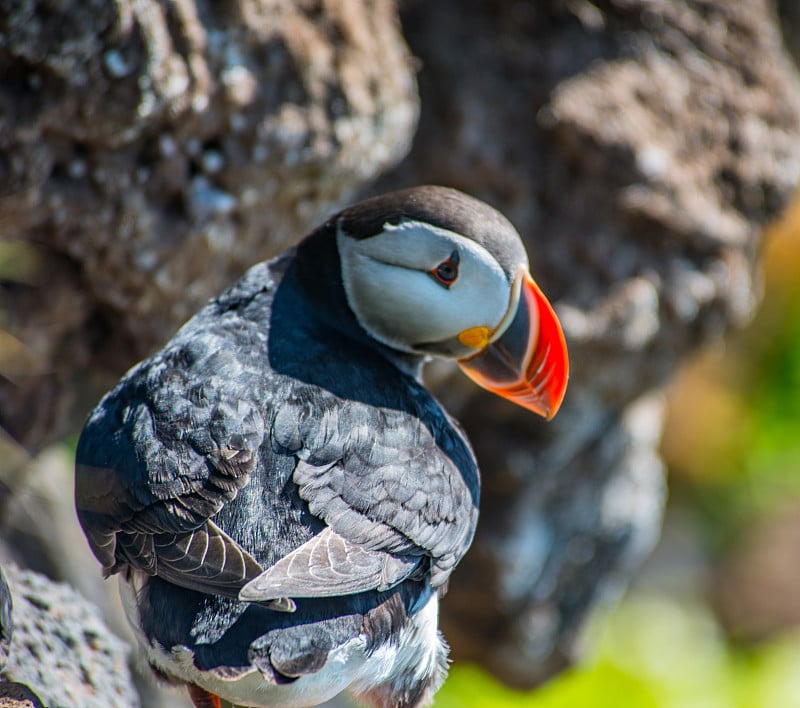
point(432, 271)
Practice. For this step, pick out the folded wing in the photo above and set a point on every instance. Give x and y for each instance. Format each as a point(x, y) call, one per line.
point(329, 565)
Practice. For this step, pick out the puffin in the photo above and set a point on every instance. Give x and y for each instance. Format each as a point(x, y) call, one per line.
point(283, 499)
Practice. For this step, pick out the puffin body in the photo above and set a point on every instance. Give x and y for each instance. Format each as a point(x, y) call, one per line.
point(282, 497)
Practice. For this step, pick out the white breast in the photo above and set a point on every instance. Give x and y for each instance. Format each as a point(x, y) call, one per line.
point(413, 655)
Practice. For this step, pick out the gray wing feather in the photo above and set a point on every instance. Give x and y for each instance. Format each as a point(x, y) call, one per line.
point(397, 491)
point(329, 565)
point(157, 459)
point(205, 559)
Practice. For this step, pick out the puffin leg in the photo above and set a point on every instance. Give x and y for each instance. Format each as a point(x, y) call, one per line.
point(202, 698)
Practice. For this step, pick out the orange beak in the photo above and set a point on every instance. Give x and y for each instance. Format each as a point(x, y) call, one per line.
point(527, 363)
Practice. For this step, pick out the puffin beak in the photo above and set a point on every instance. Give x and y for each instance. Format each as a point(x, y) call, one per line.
point(526, 362)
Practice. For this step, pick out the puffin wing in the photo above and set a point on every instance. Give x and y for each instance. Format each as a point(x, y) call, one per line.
point(157, 459)
point(168, 537)
point(206, 559)
point(403, 484)
point(329, 565)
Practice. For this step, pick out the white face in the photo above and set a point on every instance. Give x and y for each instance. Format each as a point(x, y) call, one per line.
point(390, 288)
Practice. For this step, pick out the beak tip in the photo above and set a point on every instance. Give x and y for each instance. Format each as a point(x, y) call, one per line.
point(550, 403)
point(551, 409)
point(559, 390)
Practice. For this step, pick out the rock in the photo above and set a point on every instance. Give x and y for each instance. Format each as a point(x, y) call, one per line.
point(18, 695)
point(150, 152)
point(639, 146)
point(6, 619)
point(12, 695)
point(62, 650)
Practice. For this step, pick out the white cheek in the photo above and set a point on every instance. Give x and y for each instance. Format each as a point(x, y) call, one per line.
point(399, 306)
point(393, 295)
point(404, 307)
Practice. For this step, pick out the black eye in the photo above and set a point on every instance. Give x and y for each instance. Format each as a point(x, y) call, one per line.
point(447, 271)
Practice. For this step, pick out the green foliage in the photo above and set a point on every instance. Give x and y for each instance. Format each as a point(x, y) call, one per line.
point(656, 652)
point(775, 396)
point(19, 262)
point(758, 468)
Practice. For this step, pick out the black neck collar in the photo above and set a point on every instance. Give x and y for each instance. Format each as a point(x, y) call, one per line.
point(319, 274)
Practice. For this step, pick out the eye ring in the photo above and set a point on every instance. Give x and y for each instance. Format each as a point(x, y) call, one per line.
point(446, 273)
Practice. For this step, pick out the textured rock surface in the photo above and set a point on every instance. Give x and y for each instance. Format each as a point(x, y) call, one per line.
point(62, 649)
point(148, 155)
point(150, 152)
point(6, 619)
point(18, 695)
point(639, 146)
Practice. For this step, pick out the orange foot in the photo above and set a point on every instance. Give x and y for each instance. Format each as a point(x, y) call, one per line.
point(202, 698)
